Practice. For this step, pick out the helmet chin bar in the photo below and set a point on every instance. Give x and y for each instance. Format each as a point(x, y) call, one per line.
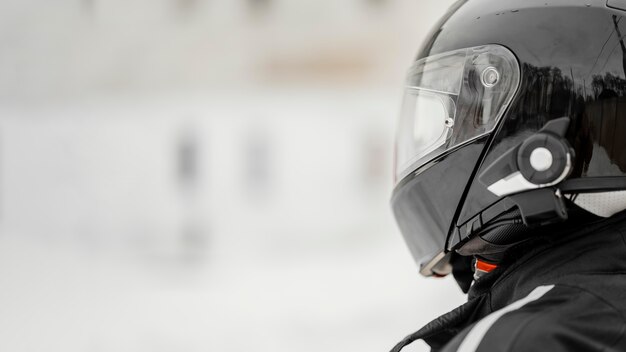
point(527, 174)
point(438, 266)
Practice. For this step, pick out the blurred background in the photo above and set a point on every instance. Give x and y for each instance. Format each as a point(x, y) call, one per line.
point(206, 175)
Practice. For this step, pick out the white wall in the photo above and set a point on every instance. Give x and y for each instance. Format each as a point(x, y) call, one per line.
point(284, 233)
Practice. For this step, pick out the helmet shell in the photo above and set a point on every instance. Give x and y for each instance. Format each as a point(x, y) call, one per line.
point(572, 60)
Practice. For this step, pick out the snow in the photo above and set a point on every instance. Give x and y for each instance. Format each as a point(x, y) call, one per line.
point(106, 246)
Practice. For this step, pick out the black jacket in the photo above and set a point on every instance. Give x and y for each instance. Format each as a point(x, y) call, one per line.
point(562, 292)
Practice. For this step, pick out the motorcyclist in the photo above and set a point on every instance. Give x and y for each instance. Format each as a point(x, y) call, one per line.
point(511, 174)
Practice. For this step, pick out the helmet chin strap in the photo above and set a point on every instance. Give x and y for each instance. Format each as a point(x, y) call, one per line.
point(490, 246)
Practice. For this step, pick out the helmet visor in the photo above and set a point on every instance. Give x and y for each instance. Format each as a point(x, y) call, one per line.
point(451, 99)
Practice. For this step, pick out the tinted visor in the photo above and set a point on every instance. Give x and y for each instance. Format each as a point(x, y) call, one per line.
point(452, 101)
point(425, 205)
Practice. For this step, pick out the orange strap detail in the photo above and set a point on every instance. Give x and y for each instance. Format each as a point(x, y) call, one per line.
point(486, 267)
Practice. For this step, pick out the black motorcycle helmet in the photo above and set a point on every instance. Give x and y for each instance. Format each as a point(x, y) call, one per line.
point(514, 118)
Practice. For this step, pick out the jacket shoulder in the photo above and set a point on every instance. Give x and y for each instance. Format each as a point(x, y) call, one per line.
point(561, 318)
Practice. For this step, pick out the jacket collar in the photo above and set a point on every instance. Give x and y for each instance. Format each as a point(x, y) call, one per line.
point(545, 259)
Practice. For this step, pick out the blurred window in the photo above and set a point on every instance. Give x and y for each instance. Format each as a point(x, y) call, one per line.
point(88, 6)
point(376, 2)
point(186, 7)
point(259, 6)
